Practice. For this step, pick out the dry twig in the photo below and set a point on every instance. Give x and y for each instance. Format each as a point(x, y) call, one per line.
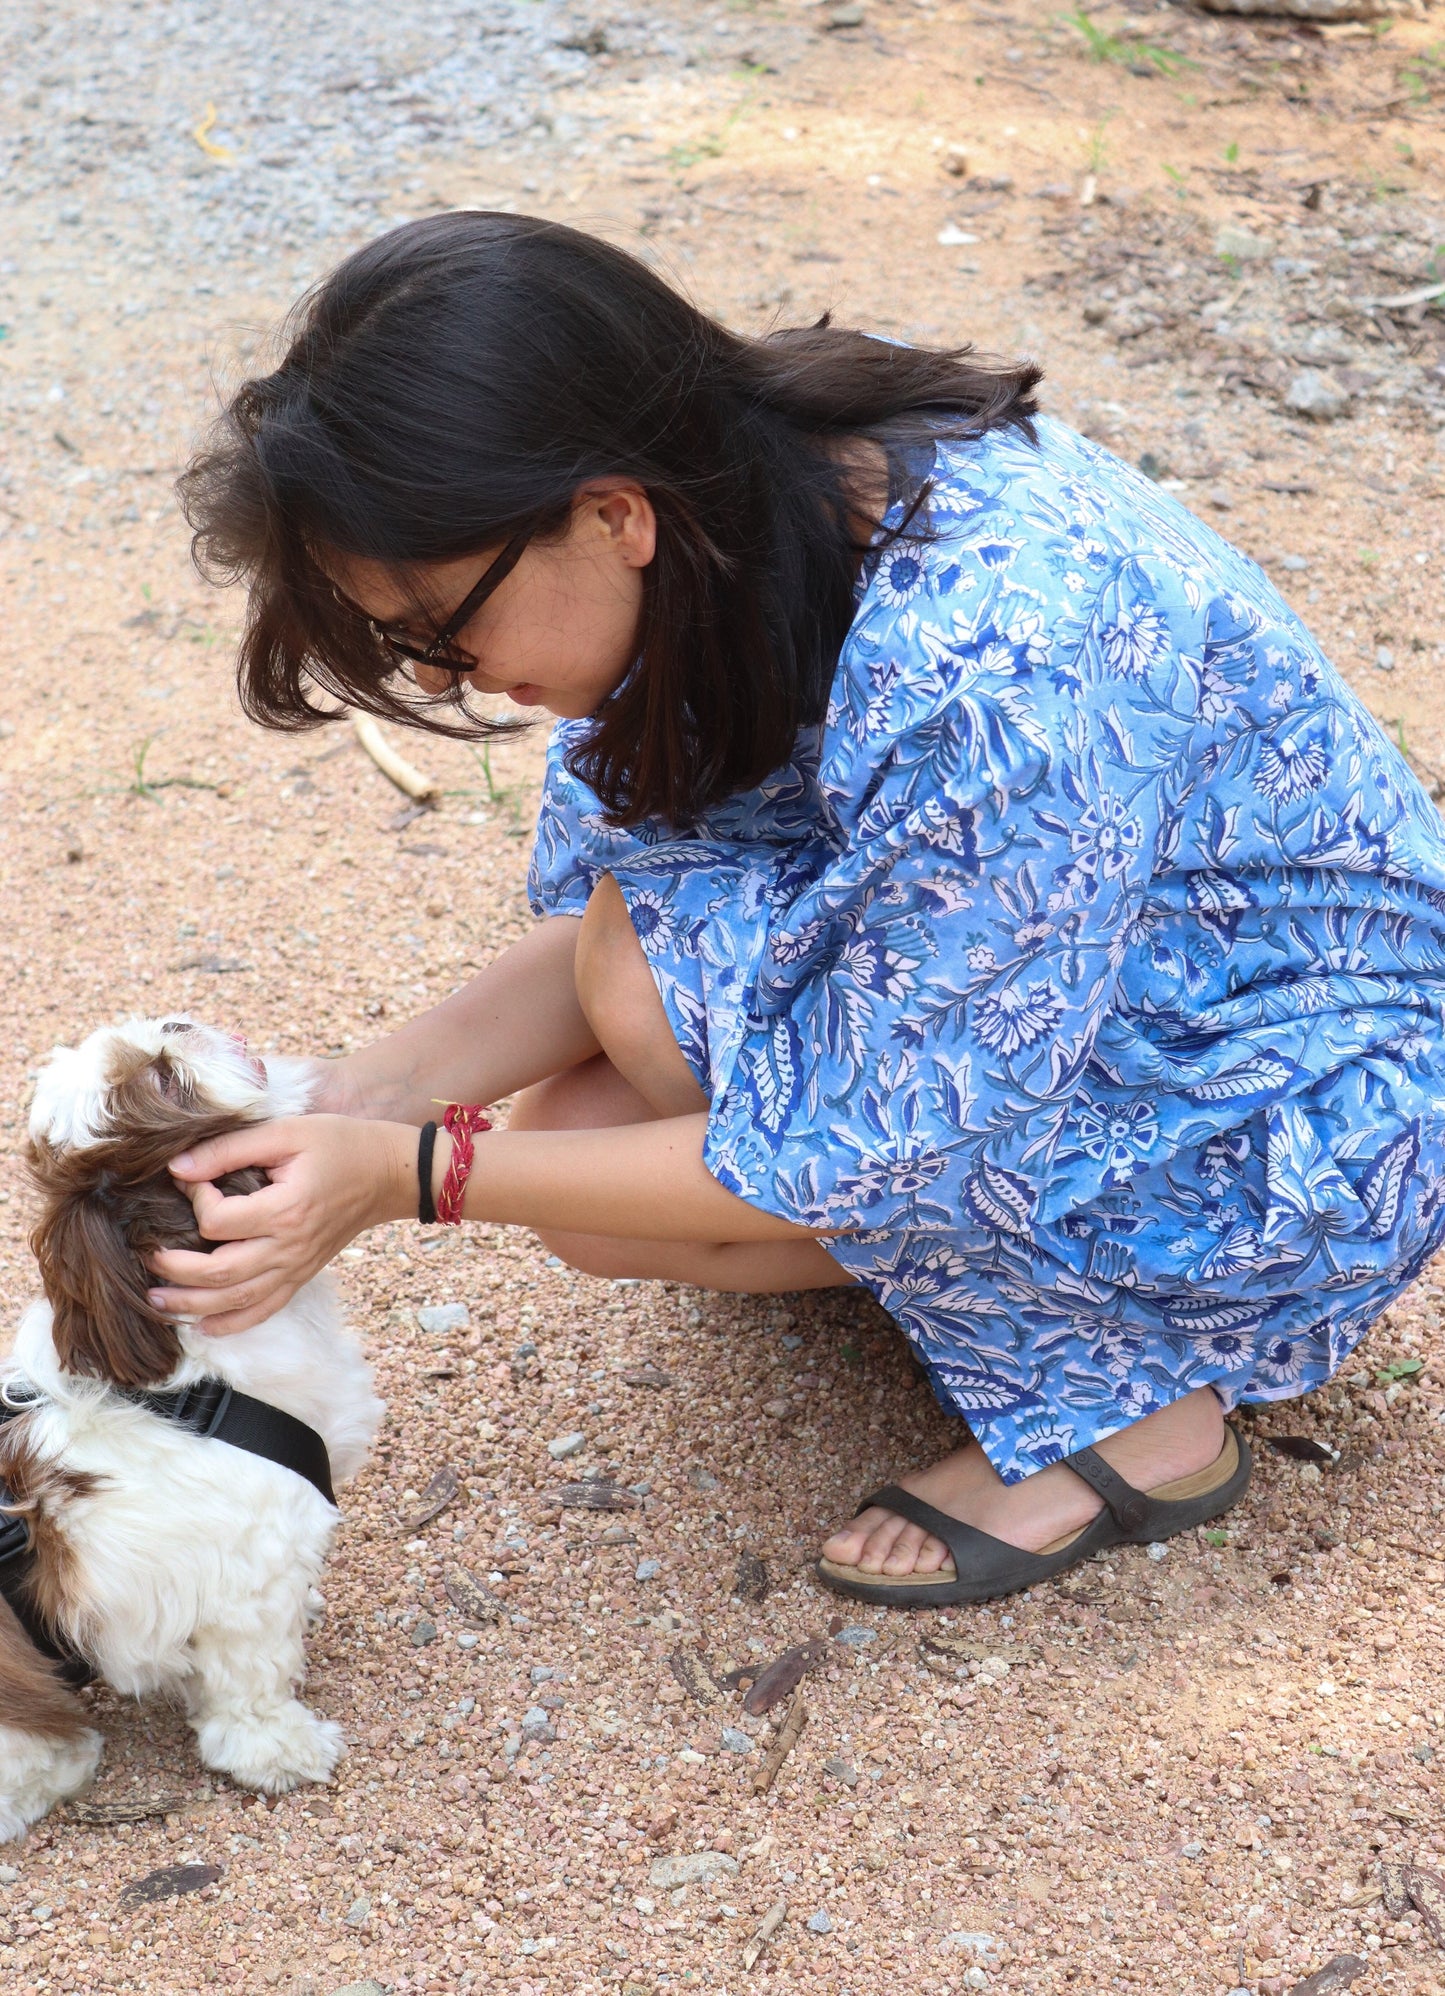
point(772, 1920)
point(394, 766)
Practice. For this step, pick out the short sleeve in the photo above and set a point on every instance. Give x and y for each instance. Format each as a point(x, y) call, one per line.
point(962, 953)
point(574, 844)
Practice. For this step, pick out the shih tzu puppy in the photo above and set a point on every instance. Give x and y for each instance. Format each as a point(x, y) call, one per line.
point(165, 1497)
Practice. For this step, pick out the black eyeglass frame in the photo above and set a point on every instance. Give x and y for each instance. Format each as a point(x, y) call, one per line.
point(435, 654)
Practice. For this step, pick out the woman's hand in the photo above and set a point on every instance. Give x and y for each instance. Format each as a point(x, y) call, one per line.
point(332, 1177)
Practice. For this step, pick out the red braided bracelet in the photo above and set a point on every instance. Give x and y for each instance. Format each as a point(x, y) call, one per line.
point(460, 1122)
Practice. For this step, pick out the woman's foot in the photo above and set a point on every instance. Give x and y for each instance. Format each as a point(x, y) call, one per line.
point(1052, 1504)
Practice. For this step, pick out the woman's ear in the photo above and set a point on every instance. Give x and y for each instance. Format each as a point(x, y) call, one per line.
point(104, 1325)
point(625, 514)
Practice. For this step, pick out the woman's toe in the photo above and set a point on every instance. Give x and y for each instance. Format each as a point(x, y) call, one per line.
point(845, 1548)
point(933, 1556)
point(903, 1556)
point(881, 1541)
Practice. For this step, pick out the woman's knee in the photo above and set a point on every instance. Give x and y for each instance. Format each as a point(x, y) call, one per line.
point(621, 1003)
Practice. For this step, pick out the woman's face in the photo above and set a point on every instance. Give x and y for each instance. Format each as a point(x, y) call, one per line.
point(560, 631)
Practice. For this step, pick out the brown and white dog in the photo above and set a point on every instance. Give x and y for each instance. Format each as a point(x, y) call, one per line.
point(168, 1562)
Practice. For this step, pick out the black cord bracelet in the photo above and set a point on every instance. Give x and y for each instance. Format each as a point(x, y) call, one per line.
point(426, 1210)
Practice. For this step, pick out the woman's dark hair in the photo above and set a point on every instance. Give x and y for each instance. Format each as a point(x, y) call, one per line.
point(457, 380)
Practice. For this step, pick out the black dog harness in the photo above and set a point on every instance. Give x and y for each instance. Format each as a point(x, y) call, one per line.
point(209, 1409)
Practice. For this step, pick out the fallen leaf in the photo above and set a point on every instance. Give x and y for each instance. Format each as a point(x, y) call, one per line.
point(434, 1500)
point(695, 1676)
point(1302, 1448)
point(780, 1678)
point(1427, 1896)
point(126, 1812)
point(750, 1582)
point(168, 1882)
point(647, 1375)
point(472, 1601)
point(1336, 1974)
point(593, 1495)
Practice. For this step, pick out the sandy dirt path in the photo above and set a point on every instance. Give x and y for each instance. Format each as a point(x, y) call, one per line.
point(1174, 1775)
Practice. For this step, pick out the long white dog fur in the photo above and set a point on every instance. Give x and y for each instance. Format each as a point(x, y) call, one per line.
point(176, 1565)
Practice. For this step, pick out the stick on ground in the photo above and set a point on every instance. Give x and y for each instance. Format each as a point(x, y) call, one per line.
point(771, 1922)
point(394, 766)
point(783, 1744)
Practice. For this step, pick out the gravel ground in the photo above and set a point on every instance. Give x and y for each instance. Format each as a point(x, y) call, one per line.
point(1179, 1773)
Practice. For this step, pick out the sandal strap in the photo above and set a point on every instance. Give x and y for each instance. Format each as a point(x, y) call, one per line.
point(1130, 1507)
point(965, 1542)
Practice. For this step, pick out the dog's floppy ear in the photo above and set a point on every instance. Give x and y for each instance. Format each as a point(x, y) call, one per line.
point(89, 1244)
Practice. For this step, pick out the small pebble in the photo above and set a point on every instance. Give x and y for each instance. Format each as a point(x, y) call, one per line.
point(737, 1741)
point(841, 1770)
point(444, 1317)
point(791, 1341)
point(1191, 1850)
point(648, 1569)
point(467, 1639)
point(857, 1636)
point(973, 1941)
point(8, 1874)
point(425, 1632)
point(819, 1922)
point(358, 1912)
point(367, 1988)
point(702, 1479)
point(1295, 563)
point(1385, 659)
point(699, 1867)
point(1242, 245)
point(1220, 500)
point(566, 1445)
point(537, 1724)
point(848, 16)
point(1158, 1551)
point(974, 1978)
point(542, 1673)
point(1314, 395)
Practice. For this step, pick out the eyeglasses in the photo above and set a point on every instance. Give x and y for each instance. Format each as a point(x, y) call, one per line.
point(437, 653)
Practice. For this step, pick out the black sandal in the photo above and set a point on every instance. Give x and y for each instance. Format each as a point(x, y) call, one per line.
point(985, 1567)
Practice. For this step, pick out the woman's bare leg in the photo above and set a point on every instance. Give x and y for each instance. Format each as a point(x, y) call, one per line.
point(642, 1074)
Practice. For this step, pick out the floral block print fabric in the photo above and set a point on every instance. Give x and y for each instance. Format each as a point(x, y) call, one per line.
point(1085, 970)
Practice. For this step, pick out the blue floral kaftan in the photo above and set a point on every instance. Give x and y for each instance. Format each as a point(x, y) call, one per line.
point(1086, 967)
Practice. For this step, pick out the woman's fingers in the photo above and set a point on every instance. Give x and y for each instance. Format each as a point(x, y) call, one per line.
point(236, 1217)
point(260, 1143)
point(179, 1268)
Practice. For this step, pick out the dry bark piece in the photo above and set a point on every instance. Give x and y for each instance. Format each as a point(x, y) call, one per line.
point(472, 1601)
point(1335, 1975)
point(695, 1675)
point(750, 1582)
point(784, 1741)
point(169, 1882)
point(593, 1495)
point(781, 1677)
point(968, 1649)
point(1303, 1448)
point(1310, 10)
point(647, 1375)
point(126, 1812)
point(434, 1500)
point(771, 1921)
point(1393, 1891)
point(1426, 1890)
point(392, 764)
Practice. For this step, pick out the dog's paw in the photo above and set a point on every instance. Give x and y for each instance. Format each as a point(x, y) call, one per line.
point(274, 1753)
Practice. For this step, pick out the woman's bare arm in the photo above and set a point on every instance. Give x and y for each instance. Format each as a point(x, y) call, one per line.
point(333, 1177)
point(514, 1023)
